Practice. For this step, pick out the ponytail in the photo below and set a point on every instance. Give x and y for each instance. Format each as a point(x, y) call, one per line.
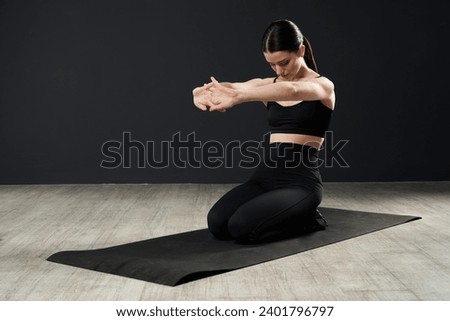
point(309, 55)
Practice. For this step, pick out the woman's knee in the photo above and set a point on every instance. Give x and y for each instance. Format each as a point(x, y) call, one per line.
point(235, 227)
point(241, 229)
point(271, 217)
point(217, 224)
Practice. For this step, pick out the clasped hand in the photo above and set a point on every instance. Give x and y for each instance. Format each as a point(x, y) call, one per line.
point(214, 97)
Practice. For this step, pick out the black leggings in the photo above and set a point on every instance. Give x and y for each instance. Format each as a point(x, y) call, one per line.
point(279, 200)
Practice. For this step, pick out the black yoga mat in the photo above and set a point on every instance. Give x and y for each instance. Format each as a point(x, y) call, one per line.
point(180, 258)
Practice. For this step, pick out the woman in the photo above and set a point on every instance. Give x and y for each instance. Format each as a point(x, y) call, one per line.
point(281, 198)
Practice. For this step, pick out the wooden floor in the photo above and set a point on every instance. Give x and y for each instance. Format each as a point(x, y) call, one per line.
point(405, 262)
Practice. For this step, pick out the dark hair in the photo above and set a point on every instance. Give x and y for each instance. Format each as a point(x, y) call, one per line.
point(284, 35)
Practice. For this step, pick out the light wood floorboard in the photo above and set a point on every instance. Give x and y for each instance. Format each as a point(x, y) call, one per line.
point(406, 262)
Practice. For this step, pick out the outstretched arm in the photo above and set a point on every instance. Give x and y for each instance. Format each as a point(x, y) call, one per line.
point(305, 89)
point(204, 99)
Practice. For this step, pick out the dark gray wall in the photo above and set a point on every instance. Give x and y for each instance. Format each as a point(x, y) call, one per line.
point(75, 75)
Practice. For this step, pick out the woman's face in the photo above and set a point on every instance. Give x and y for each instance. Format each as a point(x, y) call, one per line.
point(286, 64)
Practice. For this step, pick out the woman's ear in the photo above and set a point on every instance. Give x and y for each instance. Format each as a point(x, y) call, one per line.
point(301, 50)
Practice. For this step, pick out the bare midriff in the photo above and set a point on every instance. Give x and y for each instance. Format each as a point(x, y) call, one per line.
point(313, 141)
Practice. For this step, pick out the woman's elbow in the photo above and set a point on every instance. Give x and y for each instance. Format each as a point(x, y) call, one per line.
point(294, 92)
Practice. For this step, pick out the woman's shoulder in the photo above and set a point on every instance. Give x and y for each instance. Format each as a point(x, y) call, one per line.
point(325, 89)
point(328, 87)
point(324, 81)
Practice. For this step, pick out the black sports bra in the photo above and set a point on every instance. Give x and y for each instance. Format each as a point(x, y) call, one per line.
point(307, 117)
